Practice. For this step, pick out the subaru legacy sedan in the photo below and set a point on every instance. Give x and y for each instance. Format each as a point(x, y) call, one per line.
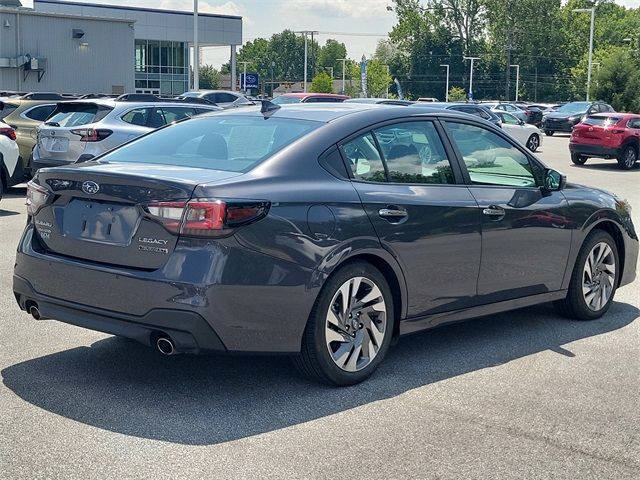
point(320, 231)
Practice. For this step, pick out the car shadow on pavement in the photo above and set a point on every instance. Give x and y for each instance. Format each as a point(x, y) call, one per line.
point(120, 386)
point(15, 192)
point(8, 213)
point(608, 165)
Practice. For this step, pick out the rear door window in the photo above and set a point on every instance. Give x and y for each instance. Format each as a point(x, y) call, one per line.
point(137, 116)
point(173, 114)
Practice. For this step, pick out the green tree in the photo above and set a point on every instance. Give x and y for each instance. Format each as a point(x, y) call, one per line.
point(329, 55)
point(322, 83)
point(378, 78)
point(457, 94)
point(209, 77)
point(618, 81)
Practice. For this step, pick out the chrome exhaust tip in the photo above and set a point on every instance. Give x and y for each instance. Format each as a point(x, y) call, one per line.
point(165, 346)
point(34, 311)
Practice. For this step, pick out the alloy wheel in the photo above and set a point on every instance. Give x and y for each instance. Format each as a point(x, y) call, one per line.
point(533, 143)
point(356, 324)
point(598, 276)
point(630, 158)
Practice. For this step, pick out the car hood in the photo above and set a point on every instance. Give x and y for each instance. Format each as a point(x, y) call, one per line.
point(560, 115)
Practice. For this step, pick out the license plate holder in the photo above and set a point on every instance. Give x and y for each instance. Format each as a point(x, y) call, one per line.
point(100, 222)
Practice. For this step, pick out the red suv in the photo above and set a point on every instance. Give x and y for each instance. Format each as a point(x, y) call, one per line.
point(606, 135)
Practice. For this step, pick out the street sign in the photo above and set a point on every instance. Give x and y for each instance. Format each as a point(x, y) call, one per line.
point(253, 81)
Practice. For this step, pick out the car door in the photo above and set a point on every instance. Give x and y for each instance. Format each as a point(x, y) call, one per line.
point(526, 232)
point(428, 221)
point(513, 126)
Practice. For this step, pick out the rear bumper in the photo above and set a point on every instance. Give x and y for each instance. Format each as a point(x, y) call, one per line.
point(188, 330)
point(212, 295)
point(598, 151)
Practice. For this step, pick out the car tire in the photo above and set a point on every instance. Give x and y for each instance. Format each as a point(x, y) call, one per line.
point(593, 280)
point(549, 133)
point(628, 158)
point(337, 334)
point(578, 159)
point(533, 142)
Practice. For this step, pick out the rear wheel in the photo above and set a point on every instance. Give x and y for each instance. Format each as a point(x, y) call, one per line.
point(578, 159)
point(594, 279)
point(350, 328)
point(533, 143)
point(628, 158)
point(549, 133)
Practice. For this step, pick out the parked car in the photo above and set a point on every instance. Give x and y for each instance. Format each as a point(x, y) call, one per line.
point(477, 109)
point(507, 107)
point(309, 98)
point(8, 157)
point(528, 135)
point(428, 99)
point(24, 113)
point(82, 129)
point(221, 98)
point(380, 101)
point(607, 135)
point(338, 228)
point(570, 114)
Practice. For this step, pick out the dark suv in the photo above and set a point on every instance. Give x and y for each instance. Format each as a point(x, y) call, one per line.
point(570, 114)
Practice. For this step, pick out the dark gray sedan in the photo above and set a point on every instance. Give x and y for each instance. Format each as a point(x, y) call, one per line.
point(319, 231)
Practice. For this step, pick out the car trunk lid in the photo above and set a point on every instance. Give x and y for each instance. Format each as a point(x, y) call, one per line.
point(100, 212)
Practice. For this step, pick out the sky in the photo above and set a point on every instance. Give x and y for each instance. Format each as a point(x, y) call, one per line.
point(359, 24)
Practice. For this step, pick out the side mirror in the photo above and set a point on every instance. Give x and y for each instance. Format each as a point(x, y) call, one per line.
point(554, 181)
point(520, 122)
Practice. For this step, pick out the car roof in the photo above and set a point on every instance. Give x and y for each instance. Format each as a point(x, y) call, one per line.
point(311, 94)
point(615, 114)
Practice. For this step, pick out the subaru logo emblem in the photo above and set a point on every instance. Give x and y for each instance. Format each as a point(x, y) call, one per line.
point(90, 188)
point(52, 133)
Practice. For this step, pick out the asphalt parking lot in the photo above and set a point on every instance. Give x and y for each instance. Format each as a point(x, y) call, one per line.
point(525, 394)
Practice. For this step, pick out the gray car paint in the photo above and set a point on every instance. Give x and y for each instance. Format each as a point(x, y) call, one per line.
point(256, 288)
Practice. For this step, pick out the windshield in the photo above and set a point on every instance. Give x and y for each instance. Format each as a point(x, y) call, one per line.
point(281, 100)
point(74, 114)
point(574, 107)
point(231, 143)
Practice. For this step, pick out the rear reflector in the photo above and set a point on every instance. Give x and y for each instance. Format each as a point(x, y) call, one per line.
point(8, 132)
point(92, 134)
point(206, 217)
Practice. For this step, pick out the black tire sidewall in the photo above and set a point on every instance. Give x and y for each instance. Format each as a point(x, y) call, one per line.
point(529, 142)
point(317, 323)
point(549, 133)
point(622, 159)
point(575, 296)
point(578, 159)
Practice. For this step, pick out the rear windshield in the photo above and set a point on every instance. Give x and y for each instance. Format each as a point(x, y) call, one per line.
point(6, 109)
point(592, 120)
point(74, 114)
point(282, 100)
point(231, 143)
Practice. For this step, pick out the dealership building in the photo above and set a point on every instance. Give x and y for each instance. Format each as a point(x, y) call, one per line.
point(73, 47)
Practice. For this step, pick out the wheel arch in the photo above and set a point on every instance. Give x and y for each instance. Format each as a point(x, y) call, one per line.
point(612, 228)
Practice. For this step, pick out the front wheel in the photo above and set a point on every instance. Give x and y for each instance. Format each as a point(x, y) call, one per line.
point(533, 143)
point(578, 159)
point(350, 327)
point(549, 133)
point(627, 158)
point(594, 279)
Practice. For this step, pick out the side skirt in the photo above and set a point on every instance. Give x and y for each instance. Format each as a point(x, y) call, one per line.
point(416, 324)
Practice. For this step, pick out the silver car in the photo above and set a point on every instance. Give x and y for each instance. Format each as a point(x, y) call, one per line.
point(82, 129)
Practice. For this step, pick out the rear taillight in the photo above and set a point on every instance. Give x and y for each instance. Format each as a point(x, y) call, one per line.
point(37, 197)
point(206, 217)
point(8, 132)
point(92, 134)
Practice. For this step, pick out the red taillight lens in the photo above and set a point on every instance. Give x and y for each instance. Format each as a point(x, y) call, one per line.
point(206, 218)
point(92, 134)
point(8, 132)
point(37, 197)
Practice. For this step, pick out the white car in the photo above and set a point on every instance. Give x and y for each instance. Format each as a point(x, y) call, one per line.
point(528, 135)
point(8, 156)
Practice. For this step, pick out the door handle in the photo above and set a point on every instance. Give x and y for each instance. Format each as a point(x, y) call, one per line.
point(393, 213)
point(494, 211)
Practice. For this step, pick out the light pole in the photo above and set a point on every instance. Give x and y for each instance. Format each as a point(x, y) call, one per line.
point(330, 71)
point(471, 75)
point(388, 75)
point(446, 93)
point(517, 79)
point(196, 48)
point(592, 10)
point(244, 76)
point(306, 56)
point(343, 60)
